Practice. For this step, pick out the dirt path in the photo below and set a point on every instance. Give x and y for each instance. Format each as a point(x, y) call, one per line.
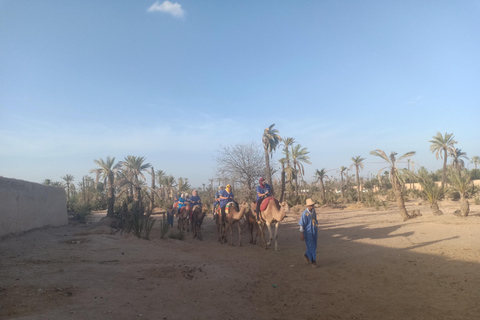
point(372, 266)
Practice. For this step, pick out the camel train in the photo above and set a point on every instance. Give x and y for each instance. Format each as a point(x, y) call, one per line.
point(271, 214)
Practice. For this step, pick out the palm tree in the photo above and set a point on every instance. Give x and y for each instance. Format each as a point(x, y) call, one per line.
point(135, 166)
point(47, 182)
point(357, 163)
point(68, 178)
point(460, 182)
point(394, 178)
point(320, 175)
point(169, 184)
point(107, 171)
point(282, 178)
point(432, 192)
point(442, 143)
point(152, 193)
point(299, 156)
point(457, 162)
point(270, 140)
point(287, 169)
point(342, 170)
point(475, 160)
point(160, 176)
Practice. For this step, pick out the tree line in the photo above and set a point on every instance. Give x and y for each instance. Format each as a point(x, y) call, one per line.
point(124, 184)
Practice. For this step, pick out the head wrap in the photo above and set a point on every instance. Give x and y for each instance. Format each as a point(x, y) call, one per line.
point(228, 187)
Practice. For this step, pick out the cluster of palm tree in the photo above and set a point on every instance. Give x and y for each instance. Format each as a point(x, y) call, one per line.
point(292, 162)
point(124, 179)
point(455, 174)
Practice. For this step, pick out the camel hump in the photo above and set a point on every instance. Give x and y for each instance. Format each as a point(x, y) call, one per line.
point(266, 201)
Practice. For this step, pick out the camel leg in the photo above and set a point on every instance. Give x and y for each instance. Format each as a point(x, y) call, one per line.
point(262, 235)
point(231, 234)
point(239, 234)
point(250, 229)
point(269, 234)
point(276, 235)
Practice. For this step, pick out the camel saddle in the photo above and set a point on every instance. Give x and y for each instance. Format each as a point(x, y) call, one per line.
point(229, 205)
point(266, 201)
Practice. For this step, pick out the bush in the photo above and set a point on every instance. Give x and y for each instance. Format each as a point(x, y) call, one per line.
point(80, 212)
point(149, 222)
point(164, 227)
point(293, 200)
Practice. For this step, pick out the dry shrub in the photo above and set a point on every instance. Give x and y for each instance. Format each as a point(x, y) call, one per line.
point(356, 206)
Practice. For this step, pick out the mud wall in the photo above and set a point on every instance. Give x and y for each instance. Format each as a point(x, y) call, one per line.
point(26, 205)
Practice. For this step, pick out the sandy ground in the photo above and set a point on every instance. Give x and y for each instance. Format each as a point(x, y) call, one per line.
point(372, 266)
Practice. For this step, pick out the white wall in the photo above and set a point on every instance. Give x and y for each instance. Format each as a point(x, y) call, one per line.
point(26, 205)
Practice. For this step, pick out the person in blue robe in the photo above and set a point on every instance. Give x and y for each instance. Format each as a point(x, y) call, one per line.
point(263, 190)
point(217, 200)
point(309, 229)
point(226, 196)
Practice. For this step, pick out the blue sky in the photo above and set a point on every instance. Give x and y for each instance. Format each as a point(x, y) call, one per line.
point(83, 80)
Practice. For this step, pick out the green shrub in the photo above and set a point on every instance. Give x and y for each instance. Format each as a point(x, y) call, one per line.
point(80, 212)
point(149, 222)
point(137, 225)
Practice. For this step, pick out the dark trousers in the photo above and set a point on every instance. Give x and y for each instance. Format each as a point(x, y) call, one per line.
point(259, 202)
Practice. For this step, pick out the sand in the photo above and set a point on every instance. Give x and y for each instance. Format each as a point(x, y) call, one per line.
point(372, 265)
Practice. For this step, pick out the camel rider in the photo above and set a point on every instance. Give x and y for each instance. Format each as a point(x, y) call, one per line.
point(181, 203)
point(226, 196)
point(217, 200)
point(194, 200)
point(263, 191)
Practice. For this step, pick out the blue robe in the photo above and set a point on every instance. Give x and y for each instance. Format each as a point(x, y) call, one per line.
point(194, 200)
point(223, 202)
point(309, 224)
point(181, 203)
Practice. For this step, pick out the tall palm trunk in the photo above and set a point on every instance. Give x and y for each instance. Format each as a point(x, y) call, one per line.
point(324, 197)
point(397, 189)
point(110, 195)
point(444, 173)
point(153, 189)
point(341, 187)
point(296, 185)
point(464, 206)
point(358, 187)
point(268, 172)
point(401, 203)
point(435, 209)
point(283, 183)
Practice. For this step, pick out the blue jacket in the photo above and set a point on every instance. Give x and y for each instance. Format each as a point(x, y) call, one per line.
point(262, 190)
point(309, 224)
point(223, 202)
point(195, 200)
point(181, 203)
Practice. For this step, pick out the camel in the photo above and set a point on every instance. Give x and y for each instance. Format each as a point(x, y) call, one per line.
point(198, 213)
point(183, 219)
point(272, 215)
point(252, 223)
point(233, 217)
